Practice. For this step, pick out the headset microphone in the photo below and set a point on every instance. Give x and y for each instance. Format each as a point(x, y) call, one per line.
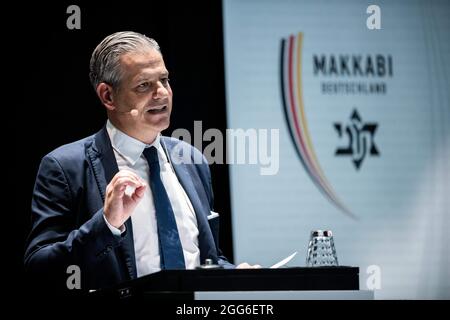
point(133, 112)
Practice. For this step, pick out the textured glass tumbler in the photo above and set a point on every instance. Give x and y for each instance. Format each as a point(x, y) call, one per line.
point(321, 250)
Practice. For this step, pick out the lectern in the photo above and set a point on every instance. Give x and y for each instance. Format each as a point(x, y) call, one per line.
point(204, 283)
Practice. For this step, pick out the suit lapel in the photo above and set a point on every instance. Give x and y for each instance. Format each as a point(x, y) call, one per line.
point(104, 165)
point(194, 189)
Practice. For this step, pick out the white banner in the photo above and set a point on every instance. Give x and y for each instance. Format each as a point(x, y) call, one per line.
point(360, 95)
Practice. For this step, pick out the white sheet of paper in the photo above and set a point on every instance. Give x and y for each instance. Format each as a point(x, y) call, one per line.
point(284, 261)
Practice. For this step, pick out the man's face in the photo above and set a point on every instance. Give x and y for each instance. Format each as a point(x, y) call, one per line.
point(145, 87)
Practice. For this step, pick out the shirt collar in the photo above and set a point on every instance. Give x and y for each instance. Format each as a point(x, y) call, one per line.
point(130, 148)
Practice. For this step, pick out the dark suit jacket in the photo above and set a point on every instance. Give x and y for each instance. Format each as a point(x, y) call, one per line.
point(68, 227)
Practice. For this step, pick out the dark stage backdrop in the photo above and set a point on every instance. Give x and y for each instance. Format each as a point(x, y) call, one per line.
point(63, 106)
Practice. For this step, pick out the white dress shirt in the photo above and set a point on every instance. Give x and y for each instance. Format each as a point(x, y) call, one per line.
point(128, 153)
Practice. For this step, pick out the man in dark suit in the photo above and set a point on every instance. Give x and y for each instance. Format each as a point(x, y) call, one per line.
point(126, 201)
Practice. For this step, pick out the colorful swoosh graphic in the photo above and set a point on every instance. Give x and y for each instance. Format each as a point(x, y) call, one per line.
point(294, 111)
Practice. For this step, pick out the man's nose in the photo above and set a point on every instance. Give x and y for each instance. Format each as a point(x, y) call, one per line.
point(161, 91)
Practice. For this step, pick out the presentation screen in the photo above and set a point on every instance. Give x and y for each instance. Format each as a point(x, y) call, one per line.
point(339, 119)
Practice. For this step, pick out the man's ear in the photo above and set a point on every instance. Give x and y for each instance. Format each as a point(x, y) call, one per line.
point(106, 95)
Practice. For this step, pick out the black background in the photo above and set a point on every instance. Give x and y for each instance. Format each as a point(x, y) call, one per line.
point(60, 106)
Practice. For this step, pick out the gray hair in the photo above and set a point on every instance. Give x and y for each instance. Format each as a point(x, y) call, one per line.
point(105, 60)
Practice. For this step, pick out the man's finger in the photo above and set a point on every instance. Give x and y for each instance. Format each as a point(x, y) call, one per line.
point(138, 192)
point(245, 265)
point(125, 173)
point(131, 175)
point(121, 184)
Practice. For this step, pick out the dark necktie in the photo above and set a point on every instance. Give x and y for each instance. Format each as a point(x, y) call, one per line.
point(171, 251)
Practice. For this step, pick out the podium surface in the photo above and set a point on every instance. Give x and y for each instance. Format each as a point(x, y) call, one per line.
point(196, 284)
